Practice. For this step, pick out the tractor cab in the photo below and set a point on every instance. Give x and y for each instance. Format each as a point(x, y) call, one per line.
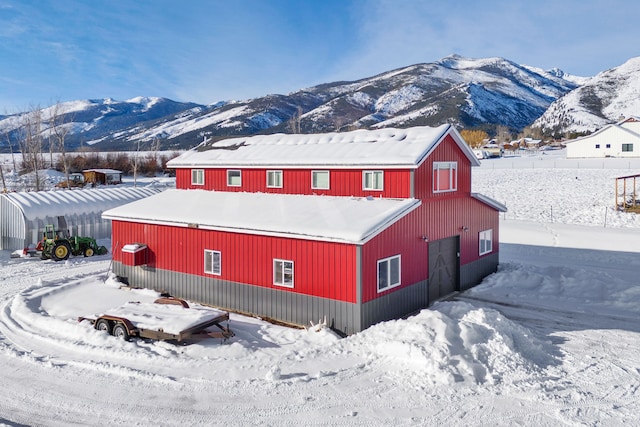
point(51, 233)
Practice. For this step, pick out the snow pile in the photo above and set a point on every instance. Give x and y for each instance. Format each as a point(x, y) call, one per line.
point(453, 343)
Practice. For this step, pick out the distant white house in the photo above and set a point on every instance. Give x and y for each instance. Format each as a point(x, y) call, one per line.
point(620, 139)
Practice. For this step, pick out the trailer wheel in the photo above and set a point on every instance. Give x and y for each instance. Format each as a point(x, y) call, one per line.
point(88, 252)
point(120, 331)
point(103, 325)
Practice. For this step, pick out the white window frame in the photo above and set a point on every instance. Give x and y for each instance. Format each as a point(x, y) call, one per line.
point(485, 241)
point(197, 176)
point(453, 176)
point(376, 178)
point(280, 269)
point(277, 174)
point(230, 177)
point(388, 281)
point(314, 179)
point(210, 265)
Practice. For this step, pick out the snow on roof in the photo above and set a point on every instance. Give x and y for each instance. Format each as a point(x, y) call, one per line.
point(105, 171)
point(325, 218)
point(489, 201)
point(388, 147)
point(40, 204)
point(608, 128)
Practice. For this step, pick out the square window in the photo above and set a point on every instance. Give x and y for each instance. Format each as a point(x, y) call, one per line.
point(597, 145)
point(373, 180)
point(283, 273)
point(197, 176)
point(445, 176)
point(486, 241)
point(627, 148)
point(274, 179)
point(213, 262)
point(608, 145)
point(320, 180)
point(234, 178)
point(388, 273)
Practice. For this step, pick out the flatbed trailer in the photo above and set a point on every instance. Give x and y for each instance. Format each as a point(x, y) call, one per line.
point(166, 319)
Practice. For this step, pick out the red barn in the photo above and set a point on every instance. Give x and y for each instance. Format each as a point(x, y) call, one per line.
point(355, 227)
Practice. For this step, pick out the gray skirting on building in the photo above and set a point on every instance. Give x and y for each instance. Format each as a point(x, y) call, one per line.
point(293, 308)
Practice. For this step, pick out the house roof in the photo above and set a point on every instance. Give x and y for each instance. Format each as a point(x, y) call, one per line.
point(388, 148)
point(606, 128)
point(325, 218)
point(105, 171)
point(40, 204)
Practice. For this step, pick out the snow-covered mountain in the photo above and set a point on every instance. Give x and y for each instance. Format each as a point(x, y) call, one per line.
point(89, 122)
point(467, 92)
point(600, 100)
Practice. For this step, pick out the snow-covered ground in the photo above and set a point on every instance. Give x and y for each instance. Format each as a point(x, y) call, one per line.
point(553, 338)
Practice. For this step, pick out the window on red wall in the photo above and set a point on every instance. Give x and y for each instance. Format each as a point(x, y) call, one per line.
point(234, 178)
point(213, 262)
point(373, 180)
point(388, 273)
point(197, 176)
point(274, 179)
point(445, 176)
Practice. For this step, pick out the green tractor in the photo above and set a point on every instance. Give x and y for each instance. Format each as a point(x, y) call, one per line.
point(58, 245)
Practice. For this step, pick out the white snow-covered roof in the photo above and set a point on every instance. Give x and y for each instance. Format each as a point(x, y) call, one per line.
point(40, 204)
point(325, 218)
point(388, 147)
point(608, 128)
point(490, 202)
point(105, 171)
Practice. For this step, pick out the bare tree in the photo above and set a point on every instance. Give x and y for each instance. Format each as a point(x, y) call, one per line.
point(294, 121)
point(60, 131)
point(136, 164)
point(13, 159)
point(503, 134)
point(7, 137)
point(31, 144)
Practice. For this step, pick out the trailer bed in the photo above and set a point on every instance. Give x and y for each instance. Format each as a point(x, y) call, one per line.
point(164, 320)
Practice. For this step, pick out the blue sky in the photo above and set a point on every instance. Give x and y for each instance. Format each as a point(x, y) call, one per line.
point(211, 50)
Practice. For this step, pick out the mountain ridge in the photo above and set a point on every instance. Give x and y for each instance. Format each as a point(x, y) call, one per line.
point(469, 93)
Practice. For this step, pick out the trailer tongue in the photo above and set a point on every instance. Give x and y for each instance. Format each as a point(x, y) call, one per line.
point(169, 319)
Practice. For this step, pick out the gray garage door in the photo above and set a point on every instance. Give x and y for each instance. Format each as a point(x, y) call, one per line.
point(443, 268)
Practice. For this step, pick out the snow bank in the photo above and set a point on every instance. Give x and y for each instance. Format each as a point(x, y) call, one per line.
point(455, 342)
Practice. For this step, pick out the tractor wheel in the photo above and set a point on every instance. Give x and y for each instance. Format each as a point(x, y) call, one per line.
point(88, 252)
point(61, 251)
point(103, 325)
point(119, 331)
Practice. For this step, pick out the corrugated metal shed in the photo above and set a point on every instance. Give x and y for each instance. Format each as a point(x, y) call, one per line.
point(23, 215)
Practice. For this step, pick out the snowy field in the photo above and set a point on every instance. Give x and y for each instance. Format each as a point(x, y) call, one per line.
point(552, 339)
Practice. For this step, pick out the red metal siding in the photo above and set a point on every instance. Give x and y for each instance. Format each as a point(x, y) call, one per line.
point(343, 182)
point(447, 151)
point(435, 219)
point(401, 238)
point(322, 269)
